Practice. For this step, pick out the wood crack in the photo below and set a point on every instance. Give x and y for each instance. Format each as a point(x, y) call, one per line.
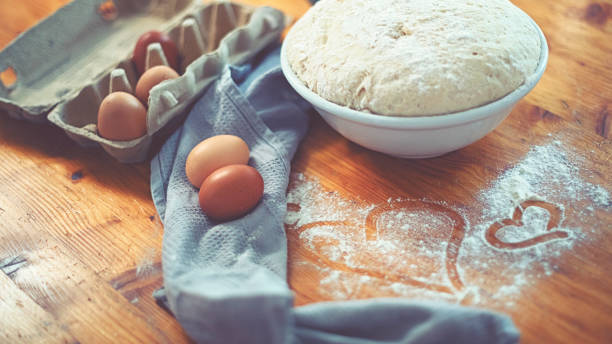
point(132, 278)
point(604, 124)
point(12, 264)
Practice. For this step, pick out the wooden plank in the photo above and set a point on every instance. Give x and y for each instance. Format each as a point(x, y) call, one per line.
point(20, 15)
point(25, 321)
point(107, 248)
point(66, 288)
point(105, 223)
point(294, 9)
point(137, 286)
point(576, 85)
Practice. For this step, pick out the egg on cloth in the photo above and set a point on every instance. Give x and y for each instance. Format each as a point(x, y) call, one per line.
point(214, 153)
point(231, 192)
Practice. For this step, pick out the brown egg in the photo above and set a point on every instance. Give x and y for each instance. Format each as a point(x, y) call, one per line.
point(214, 153)
point(140, 49)
point(121, 117)
point(152, 77)
point(231, 192)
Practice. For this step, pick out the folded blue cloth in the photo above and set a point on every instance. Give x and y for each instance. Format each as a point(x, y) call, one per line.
point(226, 282)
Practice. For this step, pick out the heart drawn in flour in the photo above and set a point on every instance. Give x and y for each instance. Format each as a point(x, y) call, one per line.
point(518, 222)
point(411, 242)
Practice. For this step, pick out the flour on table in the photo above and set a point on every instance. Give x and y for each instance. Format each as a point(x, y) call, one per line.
point(405, 254)
point(146, 265)
point(546, 173)
point(535, 220)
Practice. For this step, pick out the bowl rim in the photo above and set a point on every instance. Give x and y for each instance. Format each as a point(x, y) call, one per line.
point(418, 122)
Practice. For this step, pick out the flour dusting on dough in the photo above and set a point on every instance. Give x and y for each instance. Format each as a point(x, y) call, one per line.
point(413, 57)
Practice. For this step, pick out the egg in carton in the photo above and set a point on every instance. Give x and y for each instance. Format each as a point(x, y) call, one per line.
point(69, 62)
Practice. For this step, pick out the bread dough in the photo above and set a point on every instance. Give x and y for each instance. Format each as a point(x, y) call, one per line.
point(413, 57)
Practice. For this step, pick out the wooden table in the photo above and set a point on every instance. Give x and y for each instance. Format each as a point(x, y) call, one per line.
point(80, 241)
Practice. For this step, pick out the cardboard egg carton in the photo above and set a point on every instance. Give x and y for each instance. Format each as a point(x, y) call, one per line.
point(69, 62)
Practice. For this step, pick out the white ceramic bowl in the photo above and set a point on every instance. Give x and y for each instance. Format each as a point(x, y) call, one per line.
point(416, 137)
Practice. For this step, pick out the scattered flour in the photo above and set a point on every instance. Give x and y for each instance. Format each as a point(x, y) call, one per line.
point(405, 252)
point(146, 265)
point(545, 173)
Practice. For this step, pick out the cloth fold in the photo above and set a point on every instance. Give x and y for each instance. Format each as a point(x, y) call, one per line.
point(226, 282)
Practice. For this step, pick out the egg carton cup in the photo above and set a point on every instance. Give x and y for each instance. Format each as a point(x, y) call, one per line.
point(68, 63)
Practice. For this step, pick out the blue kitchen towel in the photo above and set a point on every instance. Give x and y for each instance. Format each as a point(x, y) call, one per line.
point(226, 282)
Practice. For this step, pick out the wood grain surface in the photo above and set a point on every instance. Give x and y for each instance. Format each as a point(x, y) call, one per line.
point(80, 240)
